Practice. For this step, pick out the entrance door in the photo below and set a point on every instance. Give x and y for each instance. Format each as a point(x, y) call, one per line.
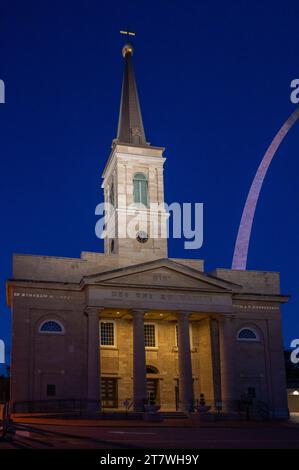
point(152, 386)
point(109, 392)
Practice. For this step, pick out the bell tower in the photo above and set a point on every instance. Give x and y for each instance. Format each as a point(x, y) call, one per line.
point(133, 182)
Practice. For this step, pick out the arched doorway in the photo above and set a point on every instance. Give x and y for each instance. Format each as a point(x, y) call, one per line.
point(152, 385)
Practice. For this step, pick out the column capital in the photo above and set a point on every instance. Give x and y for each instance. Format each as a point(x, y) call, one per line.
point(93, 311)
point(215, 316)
point(183, 314)
point(138, 311)
point(225, 317)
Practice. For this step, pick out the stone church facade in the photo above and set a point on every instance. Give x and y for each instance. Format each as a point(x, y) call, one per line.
point(115, 329)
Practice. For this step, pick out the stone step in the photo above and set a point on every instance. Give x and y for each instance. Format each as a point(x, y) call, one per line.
point(120, 415)
point(174, 414)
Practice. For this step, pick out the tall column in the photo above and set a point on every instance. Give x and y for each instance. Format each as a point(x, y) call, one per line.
point(186, 398)
point(93, 360)
point(215, 351)
point(226, 341)
point(139, 367)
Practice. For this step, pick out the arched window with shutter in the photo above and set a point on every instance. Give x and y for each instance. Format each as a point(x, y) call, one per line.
point(140, 189)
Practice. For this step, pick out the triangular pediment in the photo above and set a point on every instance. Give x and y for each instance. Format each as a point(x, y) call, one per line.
point(162, 277)
point(160, 274)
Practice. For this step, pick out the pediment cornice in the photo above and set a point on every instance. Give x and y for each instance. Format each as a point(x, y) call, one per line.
point(161, 274)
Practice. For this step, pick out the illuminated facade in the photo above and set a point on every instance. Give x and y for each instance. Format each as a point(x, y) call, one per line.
point(118, 328)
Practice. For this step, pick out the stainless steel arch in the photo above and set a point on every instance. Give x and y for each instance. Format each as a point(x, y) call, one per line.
point(244, 232)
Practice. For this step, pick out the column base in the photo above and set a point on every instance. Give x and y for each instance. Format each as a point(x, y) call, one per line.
point(186, 407)
point(280, 413)
point(93, 407)
point(139, 405)
point(230, 407)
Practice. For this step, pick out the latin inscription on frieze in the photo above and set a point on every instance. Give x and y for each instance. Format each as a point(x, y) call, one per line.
point(163, 296)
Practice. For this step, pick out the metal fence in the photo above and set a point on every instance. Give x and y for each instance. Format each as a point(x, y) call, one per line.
point(255, 409)
point(45, 406)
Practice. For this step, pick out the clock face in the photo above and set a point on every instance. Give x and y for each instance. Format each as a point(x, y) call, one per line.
point(142, 237)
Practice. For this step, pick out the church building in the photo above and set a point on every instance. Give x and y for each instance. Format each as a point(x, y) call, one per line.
point(114, 330)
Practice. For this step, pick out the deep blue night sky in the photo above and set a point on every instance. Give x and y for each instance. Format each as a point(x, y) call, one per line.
point(214, 83)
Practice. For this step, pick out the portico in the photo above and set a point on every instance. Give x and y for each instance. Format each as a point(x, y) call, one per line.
point(132, 304)
point(179, 329)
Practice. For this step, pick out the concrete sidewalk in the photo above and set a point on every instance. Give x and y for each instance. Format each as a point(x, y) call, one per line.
point(191, 422)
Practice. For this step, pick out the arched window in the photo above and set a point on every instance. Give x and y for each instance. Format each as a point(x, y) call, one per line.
point(152, 370)
point(140, 189)
point(51, 326)
point(248, 334)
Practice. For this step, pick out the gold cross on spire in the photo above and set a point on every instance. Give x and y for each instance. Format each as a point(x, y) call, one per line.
point(127, 32)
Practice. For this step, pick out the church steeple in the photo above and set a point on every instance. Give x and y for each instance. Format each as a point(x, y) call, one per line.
point(136, 219)
point(130, 125)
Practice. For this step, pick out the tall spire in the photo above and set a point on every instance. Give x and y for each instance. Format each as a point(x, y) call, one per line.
point(130, 127)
